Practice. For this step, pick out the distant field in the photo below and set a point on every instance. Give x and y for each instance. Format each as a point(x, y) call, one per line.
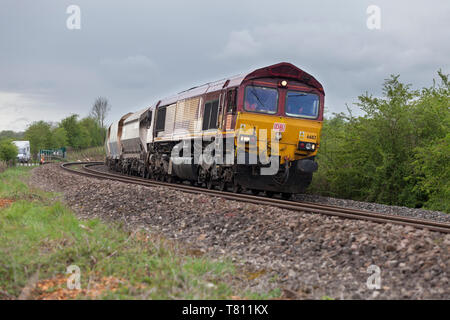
point(40, 238)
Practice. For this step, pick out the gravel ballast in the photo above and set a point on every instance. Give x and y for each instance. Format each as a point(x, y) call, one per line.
point(376, 207)
point(306, 255)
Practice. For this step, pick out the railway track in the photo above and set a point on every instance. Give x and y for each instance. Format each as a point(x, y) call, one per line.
point(86, 170)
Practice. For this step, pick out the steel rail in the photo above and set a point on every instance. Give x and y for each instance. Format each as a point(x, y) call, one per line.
point(285, 204)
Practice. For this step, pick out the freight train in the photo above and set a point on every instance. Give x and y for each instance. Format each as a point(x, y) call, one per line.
point(258, 131)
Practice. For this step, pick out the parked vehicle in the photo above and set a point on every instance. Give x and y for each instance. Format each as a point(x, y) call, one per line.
point(24, 154)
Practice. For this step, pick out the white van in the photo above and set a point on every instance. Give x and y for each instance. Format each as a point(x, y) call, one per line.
point(24, 154)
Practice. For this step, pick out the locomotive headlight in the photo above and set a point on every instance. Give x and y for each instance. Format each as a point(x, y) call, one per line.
point(306, 146)
point(244, 139)
point(284, 83)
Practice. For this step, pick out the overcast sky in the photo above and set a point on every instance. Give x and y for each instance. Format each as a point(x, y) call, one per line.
point(136, 52)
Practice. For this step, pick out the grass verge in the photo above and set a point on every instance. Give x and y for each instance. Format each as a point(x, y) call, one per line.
point(40, 238)
point(89, 154)
point(3, 166)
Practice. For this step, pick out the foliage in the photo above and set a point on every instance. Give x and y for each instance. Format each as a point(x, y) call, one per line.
point(8, 151)
point(59, 138)
point(83, 133)
point(70, 132)
point(397, 153)
point(9, 134)
point(73, 130)
point(431, 165)
point(40, 136)
point(3, 166)
point(95, 134)
point(432, 173)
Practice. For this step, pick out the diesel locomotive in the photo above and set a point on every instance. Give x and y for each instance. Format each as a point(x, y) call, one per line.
point(258, 131)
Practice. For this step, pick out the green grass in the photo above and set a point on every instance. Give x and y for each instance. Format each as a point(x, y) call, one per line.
point(275, 293)
point(38, 232)
point(93, 154)
point(3, 166)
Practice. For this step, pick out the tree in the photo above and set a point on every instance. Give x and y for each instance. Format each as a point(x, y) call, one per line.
point(100, 110)
point(40, 136)
point(9, 134)
point(59, 137)
point(93, 130)
point(8, 151)
point(82, 133)
point(73, 131)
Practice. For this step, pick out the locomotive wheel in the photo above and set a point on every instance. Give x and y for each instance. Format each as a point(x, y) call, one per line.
point(270, 194)
point(222, 185)
point(209, 184)
point(200, 183)
point(255, 192)
point(236, 188)
point(286, 196)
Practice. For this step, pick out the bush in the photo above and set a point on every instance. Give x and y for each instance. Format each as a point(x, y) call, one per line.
point(398, 153)
point(8, 151)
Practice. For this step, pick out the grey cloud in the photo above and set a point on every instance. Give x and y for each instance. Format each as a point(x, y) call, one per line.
point(137, 52)
point(131, 71)
point(240, 44)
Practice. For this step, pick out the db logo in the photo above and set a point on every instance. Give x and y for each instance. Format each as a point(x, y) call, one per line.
point(279, 127)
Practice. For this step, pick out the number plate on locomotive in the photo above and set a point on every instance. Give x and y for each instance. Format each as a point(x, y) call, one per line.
point(279, 127)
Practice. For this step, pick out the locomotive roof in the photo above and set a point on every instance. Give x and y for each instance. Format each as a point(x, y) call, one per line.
point(283, 70)
point(123, 118)
point(135, 116)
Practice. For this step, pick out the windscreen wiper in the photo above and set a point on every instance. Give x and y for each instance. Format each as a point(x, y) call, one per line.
point(259, 100)
point(298, 95)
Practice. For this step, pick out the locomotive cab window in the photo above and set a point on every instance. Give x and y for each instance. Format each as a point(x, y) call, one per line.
point(302, 105)
point(160, 119)
point(261, 99)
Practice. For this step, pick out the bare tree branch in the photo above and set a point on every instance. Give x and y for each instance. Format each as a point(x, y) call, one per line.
point(100, 110)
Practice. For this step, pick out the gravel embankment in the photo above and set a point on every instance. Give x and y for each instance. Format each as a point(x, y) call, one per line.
point(307, 255)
